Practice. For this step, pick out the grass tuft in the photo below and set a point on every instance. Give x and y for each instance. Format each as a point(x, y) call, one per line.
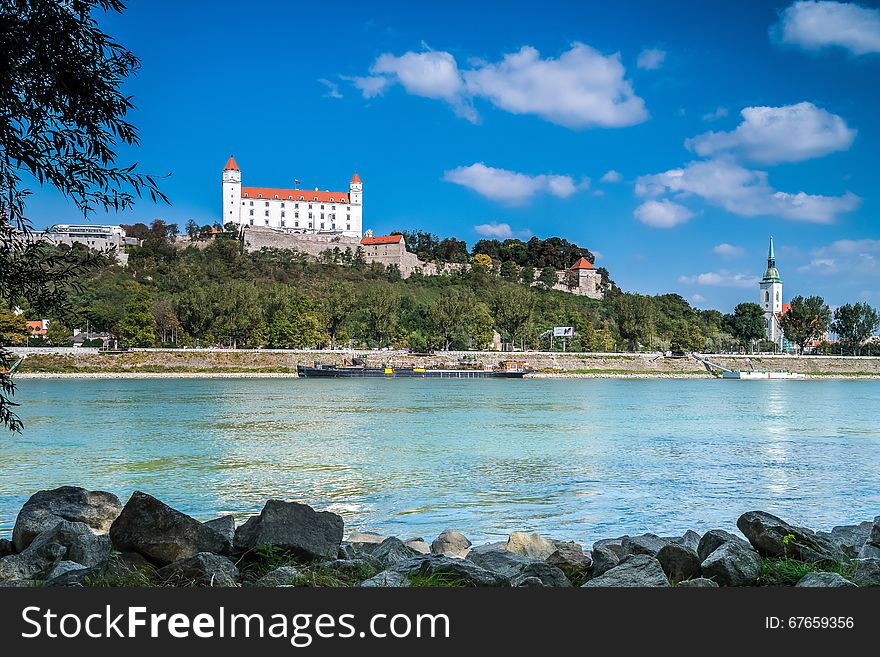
point(788, 572)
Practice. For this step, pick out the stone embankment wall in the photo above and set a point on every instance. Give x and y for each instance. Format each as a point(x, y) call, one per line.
point(284, 361)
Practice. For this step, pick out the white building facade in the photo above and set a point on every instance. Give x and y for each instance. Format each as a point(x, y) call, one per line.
point(293, 210)
point(771, 300)
point(97, 238)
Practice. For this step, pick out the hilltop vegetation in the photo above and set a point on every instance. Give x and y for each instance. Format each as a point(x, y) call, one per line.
point(220, 295)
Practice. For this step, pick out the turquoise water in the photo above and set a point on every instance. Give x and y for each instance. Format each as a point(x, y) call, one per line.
point(578, 458)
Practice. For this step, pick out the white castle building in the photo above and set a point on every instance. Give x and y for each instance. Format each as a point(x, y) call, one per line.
point(293, 210)
point(771, 301)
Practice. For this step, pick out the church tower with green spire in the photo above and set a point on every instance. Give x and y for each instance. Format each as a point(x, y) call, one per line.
point(771, 298)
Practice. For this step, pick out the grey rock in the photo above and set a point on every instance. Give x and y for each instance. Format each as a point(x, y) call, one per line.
point(570, 558)
point(6, 548)
point(867, 573)
point(697, 583)
point(306, 533)
point(83, 546)
point(824, 580)
point(679, 562)
point(391, 551)
point(224, 525)
point(47, 508)
point(366, 537)
point(34, 563)
point(513, 566)
point(869, 551)
point(530, 545)
point(162, 534)
point(635, 571)
point(419, 545)
point(715, 538)
point(875, 532)
point(389, 579)
point(732, 564)
point(648, 544)
point(850, 538)
point(64, 567)
point(527, 581)
point(767, 533)
point(450, 543)
point(689, 539)
point(202, 569)
point(603, 560)
point(489, 547)
point(458, 571)
point(356, 550)
point(613, 544)
point(283, 576)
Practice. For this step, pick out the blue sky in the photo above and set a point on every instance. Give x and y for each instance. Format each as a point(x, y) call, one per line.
point(721, 122)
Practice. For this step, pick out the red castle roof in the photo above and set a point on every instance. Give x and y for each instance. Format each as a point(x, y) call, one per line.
point(355, 178)
point(231, 165)
point(381, 239)
point(272, 194)
point(582, 263)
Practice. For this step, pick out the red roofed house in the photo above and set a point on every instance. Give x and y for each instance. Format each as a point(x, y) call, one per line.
point(387, 249)
point(303, 211)
point(37, 327)
point(581, 279)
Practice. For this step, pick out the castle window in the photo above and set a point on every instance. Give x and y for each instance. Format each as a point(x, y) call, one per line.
point(259, 196)
point(267, 213)
point(334, 207)
point(310, 206)
point(766, 296)
point(333, 226)
point(348, 217)
point(252, 202)
point(322, 225)
point(289, 198)
point(245, 195)
point(282, 222)
point(310, 224)
point(316, 198)
point(310, 216)
point(242, 202)
point(267, 204)
point(296, 215)
point(322, 215)
point(252, 213)
point(348, 227)
point(252, 222)
point(302, 198)
point(296, 206)
point(322, 206)
point(276, 196)
point(296, 224)
point(282, 214)
point(282, 204)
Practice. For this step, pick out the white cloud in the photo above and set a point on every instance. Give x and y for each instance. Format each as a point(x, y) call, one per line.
point(332, 88)
point(721, 278)
point(718, 113)
point(511, 187)
point(611, 176)
point(499, 231)
point(662, 214)
point(744, 192)
point(728, 251)
point(651, 59)
point(852, 256)
point(815, 25)
point(581, 88)
point(699, 298)
point(770, 135)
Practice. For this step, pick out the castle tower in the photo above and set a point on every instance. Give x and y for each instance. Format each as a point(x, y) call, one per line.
point(355, 190)
point(231, 206)
point(771, 298)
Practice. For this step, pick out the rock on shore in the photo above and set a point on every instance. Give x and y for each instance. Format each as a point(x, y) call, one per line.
point(73, 537)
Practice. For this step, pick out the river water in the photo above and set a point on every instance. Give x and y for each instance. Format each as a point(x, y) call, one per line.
point(578, 459)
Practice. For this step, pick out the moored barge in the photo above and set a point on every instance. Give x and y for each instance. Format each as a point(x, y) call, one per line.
point(509, 369)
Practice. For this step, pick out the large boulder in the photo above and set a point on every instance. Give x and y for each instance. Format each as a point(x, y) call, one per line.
point(283, 576)
point(419, 545)
point(613, 544)
point(732, 564)
point(773, 537)
point(449, 571)
point(530, 545)
point(298, 528)
point(636, 571)
point(690, 539)
point(850, 538)
point(162, 534)
point(366, 537)
point(715, 538)
point(6, 548)
point(224, 525)
point(35, 563)
point(389, 579)
point(603, 560)
point(679, 562)
point(569, 557)
point(202, 569)
point(649, 544)
point(517, 567)
point(867, 573)
point(391, 551)
point(67, 573)
point(450, 543)
point(47, 508)
point(82, 545)
point(824, 580)
point(871, 548)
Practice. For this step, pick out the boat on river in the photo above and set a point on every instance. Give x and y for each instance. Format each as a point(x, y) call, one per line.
point(506, 369)
point(755, 375)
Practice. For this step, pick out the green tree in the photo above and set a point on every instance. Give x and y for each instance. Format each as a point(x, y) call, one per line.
point(238, 313)
point(58, 334)
point(547, 277)
point(636, 318)
point(195, 310)
point(854, 323)
point(687, 336)
point(13, 328)
point(746, 323)
point(296, 328)
point(509, 271)
point(337, 300)
point(807, 320)
point(137, 328)
point(512, 307)
point(527, 275)
point(450, 314)
point(62, 115)
point(381, 303)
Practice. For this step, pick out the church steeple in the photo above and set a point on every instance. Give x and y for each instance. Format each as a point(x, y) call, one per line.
point(772, 274)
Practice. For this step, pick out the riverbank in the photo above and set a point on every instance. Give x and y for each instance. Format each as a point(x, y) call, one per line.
point(70, 536)
point(211, 363)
